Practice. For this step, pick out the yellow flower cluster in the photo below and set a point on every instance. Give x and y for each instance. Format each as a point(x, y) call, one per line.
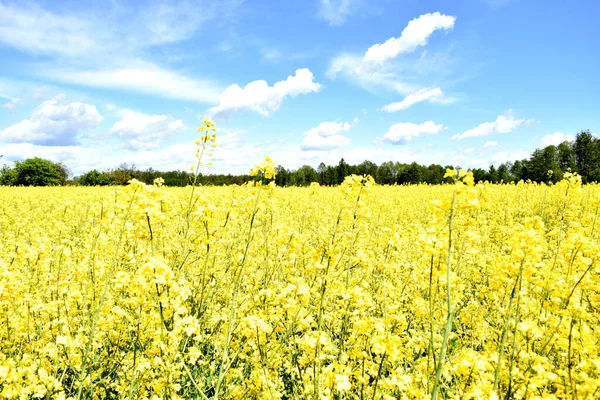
point(459, 291)
point(265, 167)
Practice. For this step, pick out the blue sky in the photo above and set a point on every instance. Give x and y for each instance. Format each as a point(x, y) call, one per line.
point(467, 82)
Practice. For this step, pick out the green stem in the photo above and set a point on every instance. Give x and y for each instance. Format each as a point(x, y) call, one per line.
point(448, 327)
point(233, 309)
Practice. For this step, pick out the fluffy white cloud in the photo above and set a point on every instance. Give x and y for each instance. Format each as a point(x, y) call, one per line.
point(334, 11)
point(403, 132)
point(327, 136)
point(53, 123)
point(415, 35)
point(467, 151)
point(260, 97)
point(433, 95)
point(142, 131)
point(144, 78)
point(503, 124)
point(490, 143)
point(556, 138)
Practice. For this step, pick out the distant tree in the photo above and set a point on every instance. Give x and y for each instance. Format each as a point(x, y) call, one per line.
point(435, 174)
point(124, 173)
point(342, 171)
point(95, 178)
point(493, 175)
point(587, 156)
point(177, 178)
point(413, 174)
point(479, 174)
point(283, 177)
point(309, 175)
point(8, 176)
point(386, 173)
point(63, 170)
point(543, 161)
point(367, 168)
point(517, 170)
point(566, 156)
point(38, 172)
point(503, 173)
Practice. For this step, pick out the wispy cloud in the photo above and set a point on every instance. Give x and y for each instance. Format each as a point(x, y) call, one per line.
point(432, 95)
point(32, 29)
point(110, 49)
point(404, 132)
point(334, 12)
point(503, 124)
point(11, 104)
point(142, 77)
point(258, 96)
point(378, 65)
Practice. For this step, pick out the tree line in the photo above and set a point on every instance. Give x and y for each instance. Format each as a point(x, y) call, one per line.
point(548, 164)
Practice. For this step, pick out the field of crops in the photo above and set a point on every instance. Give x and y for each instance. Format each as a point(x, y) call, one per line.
point(353, 292)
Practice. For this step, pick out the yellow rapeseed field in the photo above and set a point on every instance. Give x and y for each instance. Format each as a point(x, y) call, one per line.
point(459, 291)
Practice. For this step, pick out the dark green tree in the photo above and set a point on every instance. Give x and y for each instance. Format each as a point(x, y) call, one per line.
point(587, 157)
point(8, 176)
point(493, 175)
point(95, 178)
point(503, 173)
point(566, 156)
point(38, 172)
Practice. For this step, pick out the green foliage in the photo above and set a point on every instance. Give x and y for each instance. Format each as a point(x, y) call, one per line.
point(96, 178)
point(39, 172)
point(8, 176)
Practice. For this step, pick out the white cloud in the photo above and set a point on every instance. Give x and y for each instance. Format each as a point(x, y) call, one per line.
point(403, 132)
point(258, 96)
point(490, 143)
point(37, 31)
point(142, 131)
point(504, 156)
point(53, 123)
point(352, 68)
point(105, 46)
point(270, 54)
point(143, 78)
point(556, 138)
point(379, 66)
point(334, 11)
point(121, 29)
point(12, 104)
point(503, 124)
point(415, 35)
point(467, 151)
point(433, 95)
point(327, 136)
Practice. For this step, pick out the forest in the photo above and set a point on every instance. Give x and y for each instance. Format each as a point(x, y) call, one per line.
point(547, 164)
